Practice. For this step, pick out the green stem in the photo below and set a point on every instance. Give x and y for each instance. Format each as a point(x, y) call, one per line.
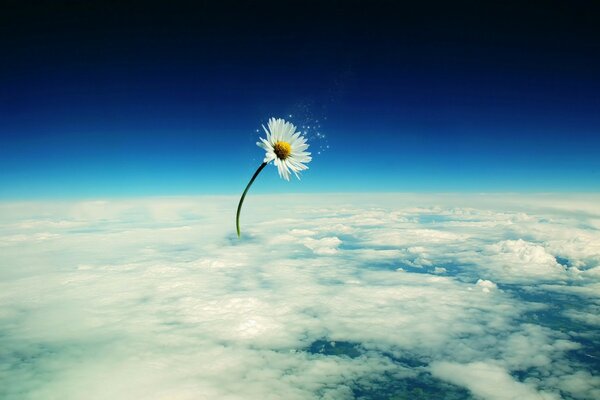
point(239, 209)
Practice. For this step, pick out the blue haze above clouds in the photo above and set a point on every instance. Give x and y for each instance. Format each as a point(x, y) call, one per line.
point(325, 296)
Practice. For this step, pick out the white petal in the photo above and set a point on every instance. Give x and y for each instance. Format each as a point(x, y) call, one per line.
point(286, 174)
point(277, 129)
point(296, 165)
point(269, 157)
point(279, 167)
point(291, 165)
point(286, 171)
point(268, 133)
point(297, 174)
point(302, 157)
point(271, 125)
point(288, 131)
point(299, 147)
point(270, 146)
point(264, 145)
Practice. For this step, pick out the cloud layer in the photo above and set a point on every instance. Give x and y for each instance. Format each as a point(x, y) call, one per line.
point(328, 297)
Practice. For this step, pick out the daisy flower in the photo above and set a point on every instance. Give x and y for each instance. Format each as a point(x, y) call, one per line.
point(286, 148)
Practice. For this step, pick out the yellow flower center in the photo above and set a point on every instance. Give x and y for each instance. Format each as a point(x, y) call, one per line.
point(282, 150)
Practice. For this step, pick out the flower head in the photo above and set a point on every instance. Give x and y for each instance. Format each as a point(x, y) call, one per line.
point(286, 147)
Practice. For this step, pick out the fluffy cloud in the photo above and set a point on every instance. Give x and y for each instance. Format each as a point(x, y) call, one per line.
point(326, 297)
point(517, 260)
point(488, 381)
point(323, 246)
point(486, 286)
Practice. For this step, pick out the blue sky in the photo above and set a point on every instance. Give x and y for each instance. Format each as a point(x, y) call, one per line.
point(106, 100)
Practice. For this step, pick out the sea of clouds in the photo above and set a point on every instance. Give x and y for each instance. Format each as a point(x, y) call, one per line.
point(324, 297)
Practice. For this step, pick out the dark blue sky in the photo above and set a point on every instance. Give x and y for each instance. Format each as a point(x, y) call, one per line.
point(121, 98)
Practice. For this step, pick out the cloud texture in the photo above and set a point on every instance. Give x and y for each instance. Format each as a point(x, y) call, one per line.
point(325, 297)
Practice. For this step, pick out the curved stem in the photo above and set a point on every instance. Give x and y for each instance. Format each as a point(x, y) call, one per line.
point(239, 209)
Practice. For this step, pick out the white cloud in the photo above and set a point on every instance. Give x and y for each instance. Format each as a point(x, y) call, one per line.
point(590, 315)
point(323, 246)
point(160, 298)
point(486, 286)
point(488, 381)
point(518, 261)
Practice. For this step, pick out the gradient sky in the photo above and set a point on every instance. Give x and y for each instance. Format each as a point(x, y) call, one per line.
point(135, 98)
